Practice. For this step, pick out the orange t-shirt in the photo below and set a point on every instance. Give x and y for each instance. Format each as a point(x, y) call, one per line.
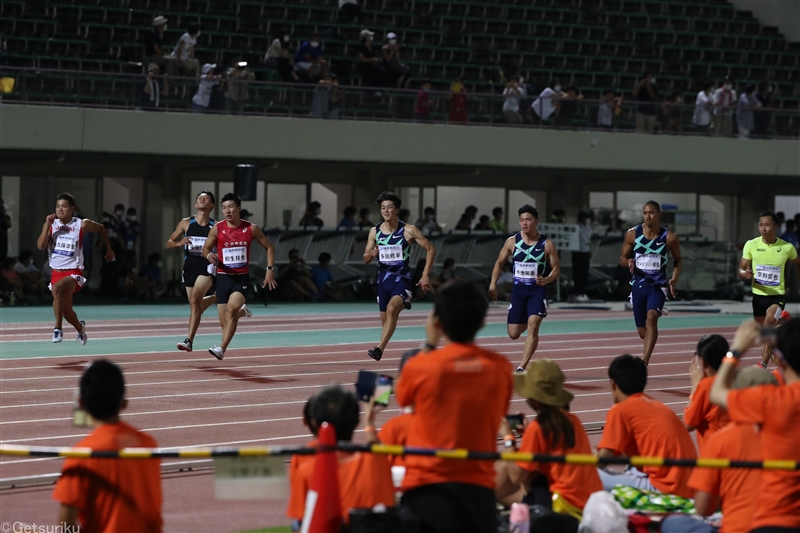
point(737, 487)
point(777, 411)
point(459, 394)
point(574, 483)
point(294, 465)
point(113, 495)
point(365, 480)
point(703, 415)
point(395, 431)
point(642, 426)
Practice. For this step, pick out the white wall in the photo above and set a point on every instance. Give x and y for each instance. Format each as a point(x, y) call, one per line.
point(126, 191)
point(281, 198)
point(790, 205)
point(451, 202)
point(330, 204)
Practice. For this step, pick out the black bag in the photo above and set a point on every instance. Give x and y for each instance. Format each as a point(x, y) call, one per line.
point(369, 521)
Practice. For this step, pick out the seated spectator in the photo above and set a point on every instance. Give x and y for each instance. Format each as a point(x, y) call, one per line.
point(744, 117)
point(555, 431)
point(365, 217)
point(737, 488)
point(236, 88)
point(548, 102)
point(309, 61)
point(790, 235)
point(484, 223)
point(151, 275)
point(672, 114)
point(703, 106)
point(460, 393)
point(464, 222)
point(505, 282)
point(416, 276)
point(610, 102)
point(311, 216)
point(322, 97)
point(11, 280)
point(396, 70)
point(512, 94)
point(109, 494)
point(296, 283)
point(323, 280)
point(404, 215)
point(424, 104)
point(458, 102)
point(638, 425)
point(428, 223)
point(155, 86)
point(183, 54)
point(32, 279)
point(210, 77)
point(497, 223)
point(278, 57)
point(776, 411)
point(365, 479)
point(569, 107)
point(129, 283)
point(348, 217)
point(701, 415)
point(25, 264)
point(154, 50)
point(448, 272)
point(299, 460)
point(350, 11)
point(369, 63)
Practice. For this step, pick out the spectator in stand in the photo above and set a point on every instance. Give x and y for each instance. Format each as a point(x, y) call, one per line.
point(154, 47)
point(701, 415)
point(744, 117)
point(762, 117)
point(365, 479)
point(737, 488)
point(350, 11)
point(646, 94)
point(512, 94)
point(484, 223)
point(703, 105)
point(724, 99)
point(555, 431)
point(397, 71)
point(416, 275)
point(638, 425)
point(278, 56)
point(365, 218)
point(210, 77)
point(422, 108)
point(497, 223)
point(448, 272)
point(790, 235)
point(569, 107)
point(311, 216)
point(11, 279)
point(133, 229)
point(448, 386)
point(428, 223)
point(119, 218)
point(323, 280)
point(296, 280)
point(673, 114)
point(151, 275)
point(776, 411)
point(109, 494)
point(370, 63)
point(464, 223)
point(309, 61)
point(404, 215)
point(348, 217)
point(548, 102)
point(780, 220)
point(458, 102)
point(298, 460)
point(322, 97)
point(337, 99)
point(153, 90)
point(5, 225)
point(582, 258)
point(471, 212)
point(32, 279)
point(526, 102)
point(183, 54)
point(607, 108)
point(236, 93)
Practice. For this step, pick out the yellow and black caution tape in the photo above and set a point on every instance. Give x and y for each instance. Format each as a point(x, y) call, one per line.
point(386, 449)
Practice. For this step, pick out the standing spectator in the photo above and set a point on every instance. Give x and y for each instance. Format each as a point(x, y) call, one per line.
point(152, 91)
point(5, 225)
point(569, 107)
point(119, 218)
point(109, 494)
point(581, 258)
point(458, 103)
point(702, 108)
point(780, 220)
point(447, 387)
point(605, 111)
point(646, 94)
point(209, 78)
point(512, 94)
point(428, 223)
point(497, 223)
point(348, 217)
point(133, 229)
point(484, 223)
point(761, 117)
point(322, 97)
point(396, 70)
point(422, 108)
point(747, 103)
point(350, 11)
point(365, 218)
point(724, 99)
point(309, 61)
point(548, 102)
point(279, 58)
point(337, 99)
point(526, 102)
point(673, 114)
point(311, 216)
point(154, 47)
point(236, 93)
point(790, 235)
point(183, 54)
point(369, 64)
point(701, 415)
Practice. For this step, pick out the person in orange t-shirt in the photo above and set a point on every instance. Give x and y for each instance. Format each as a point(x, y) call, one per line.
point(702, 415)
point(365, 479)
point(109, 495)
point(460, 393)
point(555, 431)
point(298, 460)
point(738, 488)
point(777, 411)
point(638, 425)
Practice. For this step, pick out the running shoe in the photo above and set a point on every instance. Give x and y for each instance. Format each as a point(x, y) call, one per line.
point(664, 311)
point(376, 353)
point(407, 304)
point(58, 335)
point(185, 346)
point(520, 370)
point(785, 316)
point(247, 313)
point(82, 337)
point(217, 352)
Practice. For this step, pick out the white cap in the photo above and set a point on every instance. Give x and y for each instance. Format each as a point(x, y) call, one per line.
point(367, 32)
point(159, 20)
point(391, 35)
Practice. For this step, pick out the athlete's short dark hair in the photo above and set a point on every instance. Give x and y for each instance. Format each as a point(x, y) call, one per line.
point(339, 408)
point(207, 193)
point(102, 389)
point(787, 341)
point(460, 308)
point(388, 196)
point(712, 350)
point(230, 197)
point(654, 204)
point(324, 257)
point(629, 373)
point(770, 214)
point(527, 208)
point(66, 196)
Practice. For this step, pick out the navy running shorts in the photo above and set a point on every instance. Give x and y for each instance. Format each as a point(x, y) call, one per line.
point(192, 270)
point(227, 284)
point(647, 298)
point(389, 289)
point(526, 301)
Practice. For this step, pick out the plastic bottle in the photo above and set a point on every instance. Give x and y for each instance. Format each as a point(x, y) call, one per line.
point(13, 299)
point(520, 518)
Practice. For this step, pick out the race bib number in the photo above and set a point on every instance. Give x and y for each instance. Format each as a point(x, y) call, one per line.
point(235, 256)
point(526, 271)
point(767, 275)
point(195, 246)
point(649, 263)
point(390, 253)
point(65, 245)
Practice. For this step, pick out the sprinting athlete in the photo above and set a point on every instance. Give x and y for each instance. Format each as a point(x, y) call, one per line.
point(645, 253)
point(390, 242)
point(531, 251)
point(764, 260)
point(232, 239)
point(198, 273)
point(62, 237)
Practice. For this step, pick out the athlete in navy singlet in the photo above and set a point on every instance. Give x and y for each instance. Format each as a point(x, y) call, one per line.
point(645, 253)
point(531, 251)
point(390, 243)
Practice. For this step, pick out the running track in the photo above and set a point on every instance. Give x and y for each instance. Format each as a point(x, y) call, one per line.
point(255, 396)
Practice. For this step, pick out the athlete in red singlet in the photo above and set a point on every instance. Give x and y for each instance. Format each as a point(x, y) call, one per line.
point(62, 237)
point(232, 239)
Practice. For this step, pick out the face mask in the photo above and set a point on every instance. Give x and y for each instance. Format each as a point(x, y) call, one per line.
point(314, 44)
point(522, 80)
point(653, 79)
point(286, 38)
point(557, 88)
point(159, 264)
point(119, 213)
point(132, 218)
point(392, 41)
point(728, 87)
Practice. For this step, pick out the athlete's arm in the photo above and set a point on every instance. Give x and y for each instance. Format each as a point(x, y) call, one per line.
point(505, 252)
point(413, 234)
point(796, 262)
point(674, 246)
point(745, 272)
point(705, 503)
point(269, 278)
point(745, 337)
point(555, 264)
point(68, 517)
point(44, 237)
point(90, 226)
point(175, 240)
point(372, 248)
point(626, 255)
point(211, 243)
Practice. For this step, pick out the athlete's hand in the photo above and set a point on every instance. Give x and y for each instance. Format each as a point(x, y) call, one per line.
point(631, 265)
point(672, 284)
point(492, 293)
point(213, 259)
point(696, 371)
point(50, 219)
point(424, 283)
point(746, 336)
point(110, 256)
point(541, 280)
point(185, 241)
point(746, 274)
point(269, 280)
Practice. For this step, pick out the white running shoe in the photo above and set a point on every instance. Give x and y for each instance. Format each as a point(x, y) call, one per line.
point(82, 337)
point(58, 335)
point(217, 352)
point(247, 313)
point(185, 346)
point(520, 370)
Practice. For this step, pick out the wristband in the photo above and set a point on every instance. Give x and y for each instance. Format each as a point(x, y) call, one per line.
point(209, 253)
point(269, 268)
point(742, 271)
point(369, 428)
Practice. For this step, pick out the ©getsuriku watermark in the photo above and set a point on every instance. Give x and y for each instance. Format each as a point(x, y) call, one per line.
point(22, 527)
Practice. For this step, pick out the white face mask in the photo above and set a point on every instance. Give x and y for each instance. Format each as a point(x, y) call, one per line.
point(132, 218)
point(522, 80)
point(119, 213)
point(165, 27)
point(728, 86)
point(286, 38)
point(557, 88)
point(314, 44)
point(392, 41)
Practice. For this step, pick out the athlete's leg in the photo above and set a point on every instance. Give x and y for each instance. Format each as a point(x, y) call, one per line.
point(517, 315)
point(532, 342)
point(515, 331)
point(198, 302)
point(651, 334)
point(62, 303)
point(231, 311)
point(770, 321)
point(389, 319)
